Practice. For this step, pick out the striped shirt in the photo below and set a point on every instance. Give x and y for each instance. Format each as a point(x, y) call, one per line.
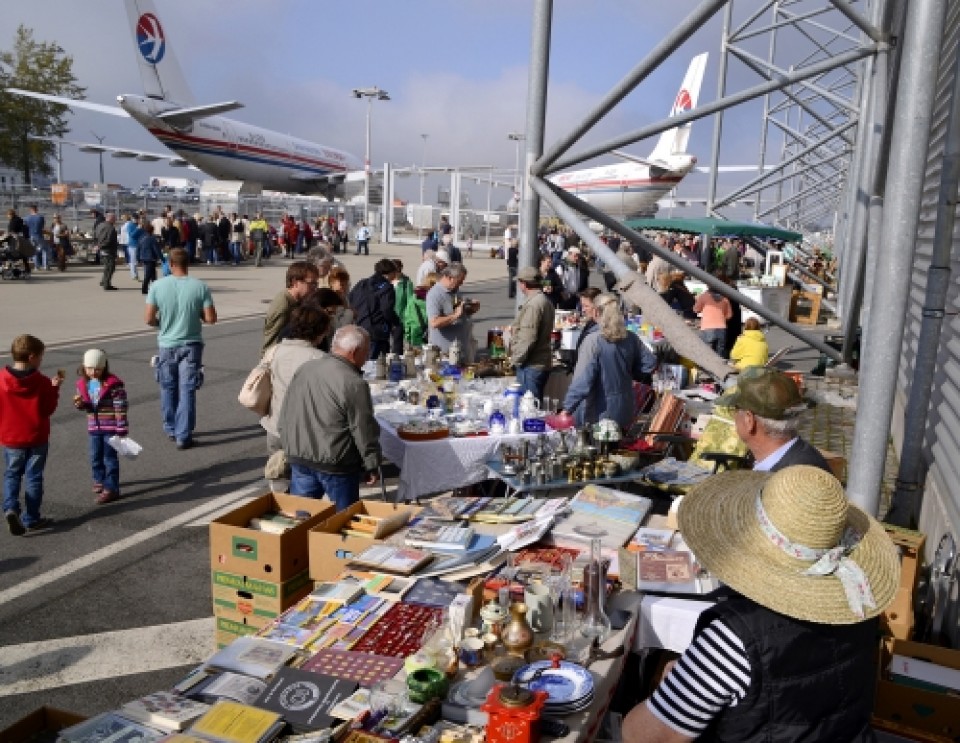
point(713, 673)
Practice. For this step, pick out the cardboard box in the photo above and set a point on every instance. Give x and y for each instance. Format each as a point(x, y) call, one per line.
point(229, 630)
point(271, 557)
point(898, 618)
point(836, 462)
point(251, 597)
point(330, 551)
point(43, 720)
point(921, 709)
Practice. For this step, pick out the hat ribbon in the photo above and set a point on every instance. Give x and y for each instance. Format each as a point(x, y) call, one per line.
point(832, 561)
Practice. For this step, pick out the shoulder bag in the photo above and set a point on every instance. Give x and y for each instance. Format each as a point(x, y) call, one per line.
point(257, 389)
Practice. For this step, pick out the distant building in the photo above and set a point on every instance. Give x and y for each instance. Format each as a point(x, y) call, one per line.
point(9, 177)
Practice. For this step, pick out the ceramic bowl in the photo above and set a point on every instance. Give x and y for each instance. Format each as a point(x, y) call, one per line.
point(626, 458)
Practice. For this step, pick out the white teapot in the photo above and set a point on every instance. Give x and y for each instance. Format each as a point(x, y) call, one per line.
point(529, 405)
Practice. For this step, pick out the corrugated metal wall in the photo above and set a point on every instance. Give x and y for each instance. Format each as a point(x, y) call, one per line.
point(941, 509)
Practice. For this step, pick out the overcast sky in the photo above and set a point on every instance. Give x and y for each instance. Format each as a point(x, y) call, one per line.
point(456, 71)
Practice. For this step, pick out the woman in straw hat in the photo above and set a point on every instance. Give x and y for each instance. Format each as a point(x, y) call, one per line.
point(789, 655)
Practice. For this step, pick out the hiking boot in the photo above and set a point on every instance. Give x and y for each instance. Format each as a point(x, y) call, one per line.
point(14, 524)
point(107, 496)
point(40, 524)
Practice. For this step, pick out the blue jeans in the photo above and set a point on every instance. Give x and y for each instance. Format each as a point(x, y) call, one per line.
point(104, 462)
point(179, 377)
point(132, 260)
point(235, 252)
point(24, 463)
point(533, 379)
point(343, 490)
point(43, 254)
point(716, 339)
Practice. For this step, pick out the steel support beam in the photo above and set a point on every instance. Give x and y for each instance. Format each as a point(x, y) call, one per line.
point(536, 123)
point(881, 350)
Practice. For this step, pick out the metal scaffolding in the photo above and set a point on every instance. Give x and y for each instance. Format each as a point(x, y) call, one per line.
point(827, 82)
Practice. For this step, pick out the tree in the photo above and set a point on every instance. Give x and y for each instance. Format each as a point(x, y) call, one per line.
point(42, 67)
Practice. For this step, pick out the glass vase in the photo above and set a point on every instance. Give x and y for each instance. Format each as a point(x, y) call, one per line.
point(596, 623)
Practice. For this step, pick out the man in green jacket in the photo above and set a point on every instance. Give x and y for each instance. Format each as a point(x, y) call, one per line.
point(326, 424)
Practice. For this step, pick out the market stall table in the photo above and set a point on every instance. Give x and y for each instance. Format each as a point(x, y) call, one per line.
point(428, 467)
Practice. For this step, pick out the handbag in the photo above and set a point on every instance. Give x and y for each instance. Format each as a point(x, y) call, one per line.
point(257, 389)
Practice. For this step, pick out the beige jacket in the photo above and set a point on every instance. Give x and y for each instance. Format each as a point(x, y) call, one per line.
point(288, 356)
point(530, 343)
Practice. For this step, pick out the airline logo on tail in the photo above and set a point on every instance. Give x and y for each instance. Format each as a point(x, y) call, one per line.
point(150, 38)
point(684, 102)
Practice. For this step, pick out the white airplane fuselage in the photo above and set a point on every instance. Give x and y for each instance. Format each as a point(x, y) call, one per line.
point(626, 190)
point(232, 150)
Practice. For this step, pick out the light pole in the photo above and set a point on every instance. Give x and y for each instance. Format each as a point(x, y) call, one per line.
point(100, 141)
point(517, 137)
point(369, 94)
point(423, 175)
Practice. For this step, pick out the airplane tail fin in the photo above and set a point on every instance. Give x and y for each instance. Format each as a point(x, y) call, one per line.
point(674, 141)
point(159, 69)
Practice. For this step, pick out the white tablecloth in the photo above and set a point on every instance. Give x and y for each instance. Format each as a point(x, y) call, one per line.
point(428, 467)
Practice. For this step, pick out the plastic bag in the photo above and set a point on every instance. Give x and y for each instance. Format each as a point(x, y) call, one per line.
point(125, 446)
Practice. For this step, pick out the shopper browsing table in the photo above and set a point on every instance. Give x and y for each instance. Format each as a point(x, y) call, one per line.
point(530, 349)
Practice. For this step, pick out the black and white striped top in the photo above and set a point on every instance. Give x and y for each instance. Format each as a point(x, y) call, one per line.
point(712, 674)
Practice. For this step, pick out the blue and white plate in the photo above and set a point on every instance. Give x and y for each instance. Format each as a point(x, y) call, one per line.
point(567, 684)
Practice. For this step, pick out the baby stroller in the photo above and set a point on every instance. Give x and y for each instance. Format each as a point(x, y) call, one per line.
point(15, 253)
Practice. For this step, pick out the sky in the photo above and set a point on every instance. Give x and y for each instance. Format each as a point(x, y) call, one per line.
point(456, 71)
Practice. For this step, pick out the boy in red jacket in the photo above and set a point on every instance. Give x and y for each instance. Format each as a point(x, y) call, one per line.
point(27, 400)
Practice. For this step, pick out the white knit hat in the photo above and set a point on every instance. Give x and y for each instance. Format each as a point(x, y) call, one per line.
point(95, 358)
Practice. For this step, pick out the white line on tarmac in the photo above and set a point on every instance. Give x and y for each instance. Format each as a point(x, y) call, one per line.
point(110, 550)
point(36, 666)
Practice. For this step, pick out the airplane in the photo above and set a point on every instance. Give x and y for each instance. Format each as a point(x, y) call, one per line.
point(632, 189)
point(220, 147)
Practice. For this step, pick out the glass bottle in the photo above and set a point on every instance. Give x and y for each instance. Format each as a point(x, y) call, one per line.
point(596, 623)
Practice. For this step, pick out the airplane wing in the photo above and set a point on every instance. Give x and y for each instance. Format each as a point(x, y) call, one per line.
point(98, 107)
point(183, 116)
point(122, 152)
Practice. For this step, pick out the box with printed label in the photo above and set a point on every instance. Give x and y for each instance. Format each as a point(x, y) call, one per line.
point(229, 628)
point(331, 549)
point(255, 598)
point(41, 724)
point(914, 702)
point(236, 548)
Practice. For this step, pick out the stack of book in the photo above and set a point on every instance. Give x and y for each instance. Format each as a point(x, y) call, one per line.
point(278, 522)
point(436, 535)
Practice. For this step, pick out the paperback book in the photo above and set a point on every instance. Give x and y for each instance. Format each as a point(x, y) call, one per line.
point(230, 722)
point(109, 727)
point(165, 710)
point(435, 535)
point(393, 559)
point(227, 685)
point(304, 698)
point(252, 656)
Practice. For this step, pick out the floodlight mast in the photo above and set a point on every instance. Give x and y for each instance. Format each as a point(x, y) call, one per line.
point(370, 94)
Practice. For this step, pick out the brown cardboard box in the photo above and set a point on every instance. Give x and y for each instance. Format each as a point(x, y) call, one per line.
point(330, 551)
point(261, 601)
point(898, 618)
point(922, 709)
point(836, 462)
point(43, 720)
point(258, 554)
point(229, 629)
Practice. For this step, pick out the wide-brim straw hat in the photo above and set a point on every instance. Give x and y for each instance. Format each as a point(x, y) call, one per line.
point(719, 521)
